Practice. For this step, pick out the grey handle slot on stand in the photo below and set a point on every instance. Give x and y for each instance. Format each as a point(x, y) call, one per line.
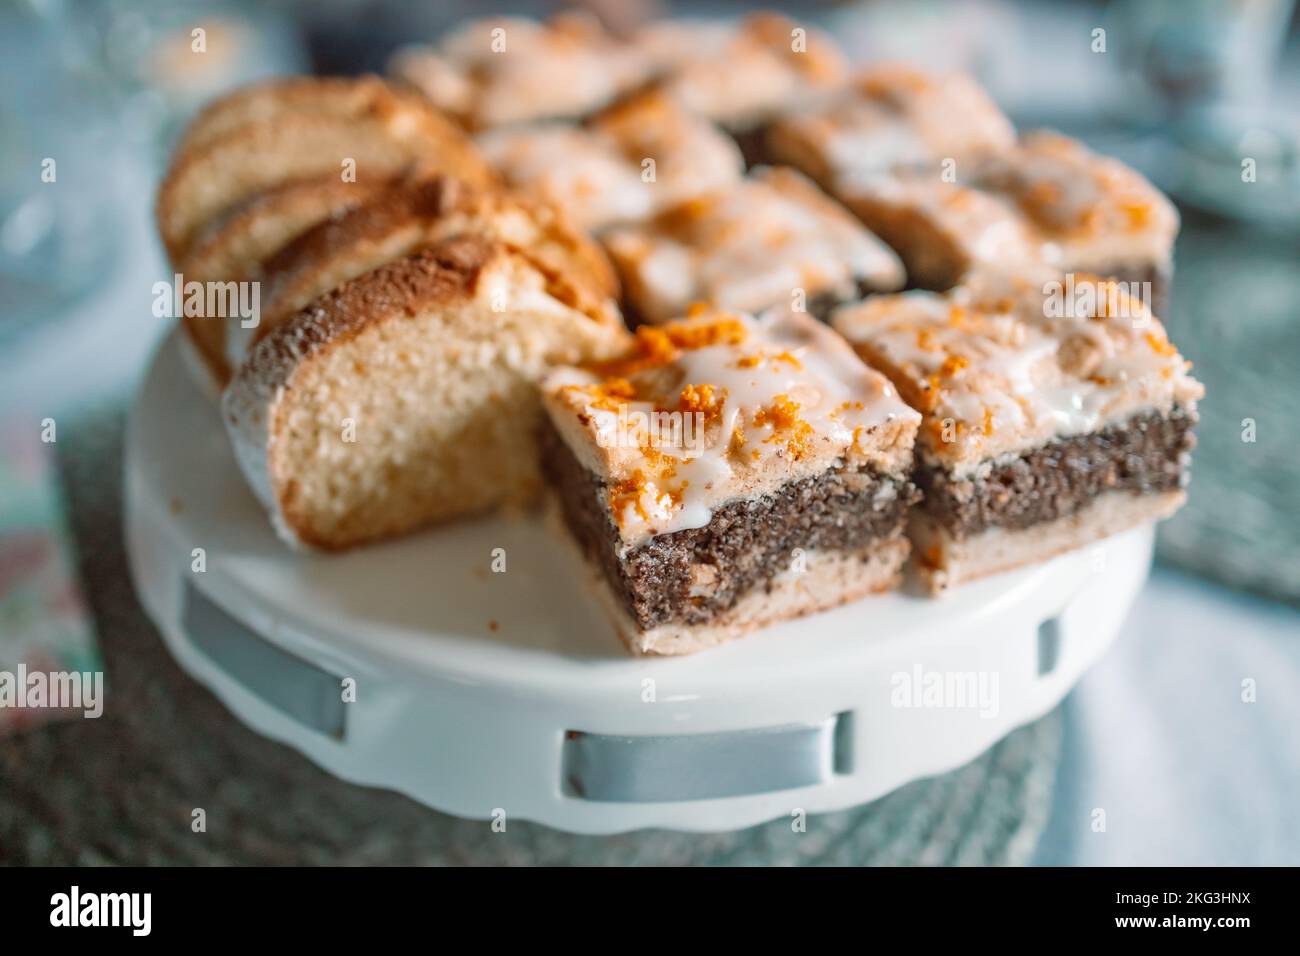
point(309, 694)
point(662, 769)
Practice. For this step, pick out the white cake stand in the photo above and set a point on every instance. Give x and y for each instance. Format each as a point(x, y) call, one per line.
point(488, 694)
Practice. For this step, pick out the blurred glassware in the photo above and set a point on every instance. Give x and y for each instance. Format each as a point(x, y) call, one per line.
point(91, 95)
point(1202, 75)
point(58, 159)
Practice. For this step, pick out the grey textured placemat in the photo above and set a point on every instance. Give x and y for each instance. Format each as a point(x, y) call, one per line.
point(1236, 314)
point(122, 789)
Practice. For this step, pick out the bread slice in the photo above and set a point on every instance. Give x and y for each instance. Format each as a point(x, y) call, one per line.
point(409, 395)
point(234, 246)
point(339, 96)
point(282, 131)
point(419, 212)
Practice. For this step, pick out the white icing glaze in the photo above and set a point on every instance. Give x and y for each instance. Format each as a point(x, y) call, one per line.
point(894, 117)
point(738, 74)
point(584, 174)
point(1093, 212)
point(828, 408)
point(1049, 202)
point(510, 69)
point(598, 173)
point(986, 228)
point(750, 247)
point(996, 374)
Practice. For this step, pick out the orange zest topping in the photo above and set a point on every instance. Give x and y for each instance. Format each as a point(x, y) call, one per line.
point(737, 443)
point(650, 479)
point(727, 330)
point(1137, 213)
point(952, 365)
point(701, 399)
point(787, 426)
point(933, 557)
point(608, 395)
point(759, 359)
point(1161, 345)
point(949, 369)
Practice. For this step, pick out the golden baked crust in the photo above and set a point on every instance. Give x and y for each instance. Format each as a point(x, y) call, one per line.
point(434, 360)
point(235, 245)
point(422, 210)
point(259, 138)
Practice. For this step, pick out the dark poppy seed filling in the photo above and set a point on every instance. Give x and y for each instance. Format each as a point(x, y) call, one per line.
point(692, 576)
point(1145, 455)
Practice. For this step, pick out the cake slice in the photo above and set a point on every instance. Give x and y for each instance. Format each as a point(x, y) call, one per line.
point(353, 130)
point(1093, 213)
point(408, 395)
point(419, 212)
point(1046, 200)
point(1057, 412)
point(890, 118)
point(600, 173)
point(730, 472)
point(741, 75)
point(772, 238)
point(505, 70)
point(944, 233)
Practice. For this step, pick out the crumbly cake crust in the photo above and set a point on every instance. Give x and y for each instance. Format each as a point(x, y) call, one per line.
point(943, 562)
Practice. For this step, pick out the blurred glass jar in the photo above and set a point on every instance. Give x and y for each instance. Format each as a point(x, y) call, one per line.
point(59, 158)
point(91, 96)
point(1202, 75)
